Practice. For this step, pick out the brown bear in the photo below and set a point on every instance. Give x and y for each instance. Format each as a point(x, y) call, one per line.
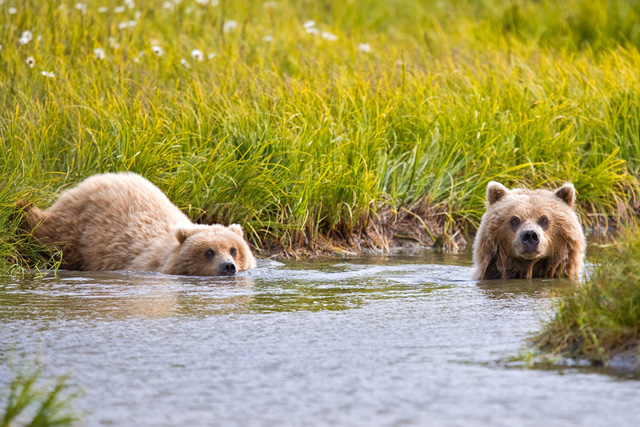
point(121, 221)
point(529, 234)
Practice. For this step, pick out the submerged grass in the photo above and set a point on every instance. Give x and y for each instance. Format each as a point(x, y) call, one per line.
point(601, 319)
point(301, 137)
point(30, 403)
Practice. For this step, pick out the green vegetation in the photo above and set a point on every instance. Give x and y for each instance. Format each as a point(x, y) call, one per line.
point(602, 318)
point(31, 404)
point(302, 137)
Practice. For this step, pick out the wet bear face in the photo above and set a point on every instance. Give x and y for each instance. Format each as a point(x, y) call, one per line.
point(529, 234)
point(212, 250)
point(530, 224)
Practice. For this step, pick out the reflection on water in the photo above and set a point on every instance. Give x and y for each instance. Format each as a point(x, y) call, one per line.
point(357, 341)
point(122, 295)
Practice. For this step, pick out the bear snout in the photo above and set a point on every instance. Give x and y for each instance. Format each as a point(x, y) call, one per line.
point(530, 242)
point(227, 268)
point(530, 239)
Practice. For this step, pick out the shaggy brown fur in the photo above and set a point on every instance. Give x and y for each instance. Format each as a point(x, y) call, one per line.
point(123, 222)
point(529, 233)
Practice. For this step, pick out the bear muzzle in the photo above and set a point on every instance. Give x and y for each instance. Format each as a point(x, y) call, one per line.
point(227, 269)
point(529, 242)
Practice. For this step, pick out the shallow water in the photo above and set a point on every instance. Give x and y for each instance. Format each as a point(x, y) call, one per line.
point(403, 340)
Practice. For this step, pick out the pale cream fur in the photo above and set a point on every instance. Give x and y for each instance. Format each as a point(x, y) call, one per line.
point(122, 221)
point(498, 251)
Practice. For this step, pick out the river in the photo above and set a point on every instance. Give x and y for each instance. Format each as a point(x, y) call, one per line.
point(379, 340)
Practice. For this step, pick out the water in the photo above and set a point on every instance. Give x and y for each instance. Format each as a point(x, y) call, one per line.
point(369, 341)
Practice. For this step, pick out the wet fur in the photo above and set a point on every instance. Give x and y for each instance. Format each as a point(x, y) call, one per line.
point(123, 222)
point(495, 256)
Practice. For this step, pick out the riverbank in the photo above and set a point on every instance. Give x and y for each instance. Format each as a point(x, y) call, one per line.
point(323, 126)
point(600, 321)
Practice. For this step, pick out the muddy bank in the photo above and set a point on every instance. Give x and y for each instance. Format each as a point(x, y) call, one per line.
point(408, 228)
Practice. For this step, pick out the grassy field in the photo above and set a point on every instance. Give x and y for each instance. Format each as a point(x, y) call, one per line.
point(602, 319)
point(309, 134)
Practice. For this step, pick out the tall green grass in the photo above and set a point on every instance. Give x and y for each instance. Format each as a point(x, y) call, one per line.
point(303, 138)
point(602, 318)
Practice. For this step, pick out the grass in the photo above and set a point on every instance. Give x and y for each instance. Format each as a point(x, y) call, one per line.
point(602, 318)
point(30, 403)
point(303, 140)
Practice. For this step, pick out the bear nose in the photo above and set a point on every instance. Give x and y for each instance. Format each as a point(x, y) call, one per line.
point(530, 239)
point(228, 268)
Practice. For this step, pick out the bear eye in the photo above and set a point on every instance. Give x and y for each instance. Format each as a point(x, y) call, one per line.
point(209, 254)
point(514, 222)
point(543, 222)
point(233, 252)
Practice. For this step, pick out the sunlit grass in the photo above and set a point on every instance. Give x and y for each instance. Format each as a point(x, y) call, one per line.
point(300, 136)
point(601, 319)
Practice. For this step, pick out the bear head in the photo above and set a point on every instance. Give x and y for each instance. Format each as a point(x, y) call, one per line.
point(212, 250)
point(521, 227)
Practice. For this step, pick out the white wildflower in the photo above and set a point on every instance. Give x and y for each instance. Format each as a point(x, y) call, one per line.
point(312, 30)
point(130, 3)
point(113, 43)
point(185, 63)
point(30, 62)
point(26, 37)
point(197, 54)
point(12, 11)
point(81, 7)
point(103, 9)
point(127, 24)
point(168, 5)
point(215, 3)
point(99, 53)
point(270, 5)
point(136, 59)
point(309, 24)
point(229, 25)
point(211, 55)
point(39, 38)
point(49, 74)
point(157, 50)
point(119, 9)
point(137, 15)
point(364, 47)
point(329, 37)
point(202, 2)
point(267, 39)
point(188, 10)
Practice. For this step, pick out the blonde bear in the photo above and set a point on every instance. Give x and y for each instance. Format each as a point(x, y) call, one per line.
point(121, 221)
point(529, 234)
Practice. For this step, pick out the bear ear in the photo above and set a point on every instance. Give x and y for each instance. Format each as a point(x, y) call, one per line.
point(236, 229)
point(567, 193)
point(183, 234)
point(495, 192)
